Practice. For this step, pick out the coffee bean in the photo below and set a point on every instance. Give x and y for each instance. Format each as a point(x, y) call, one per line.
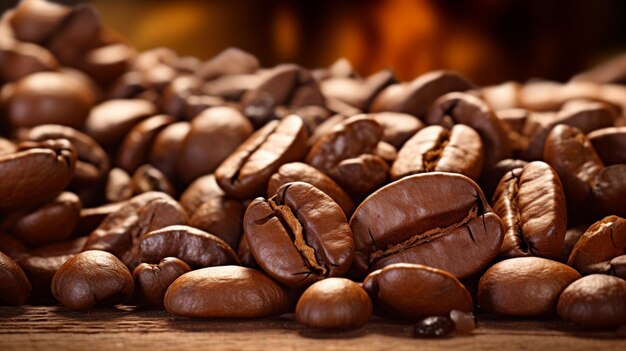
point(464, 322)
point(40, 270)
point(21, 59)
point(92, 278)
point(200, 191)
point(221, 216)
point(134, 149)
point(597, 301)
point(410, 292)
point(599, 244)
point(152, 280)
point(34, 21)
point(435, 148)
point(245, 173)
point(147, 178)
point(490, 180)
point(397, 127)
point(228, 62)
point(109, 121)
point(505, 287)
point(610, 144)
point(357, 92)
point(434, 327)
point(334, 303)
point(15, 288)
point(531, 203)
point(35, 174)
point(299, 236)
point(12, 246)
point(429, 219)
point(166, 147)
point(193, 246)
point(225, 292)
point(118, 187)
point(572, 235)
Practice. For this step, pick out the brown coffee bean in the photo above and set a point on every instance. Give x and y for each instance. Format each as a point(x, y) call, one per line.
point(415, 97)
point(118, 186)
point(195, 247)
point(299, 236)
point(597, 301)
point(572, 235)
point(15, 288)
point(92, 278)
point(434, 327)
point(245, 173)
point(49, 97)
point(599, 244)
point(40, 270)
point(109, 121)
point(225, 292)
point(134, 149)
point(463, 322)
point(505, 287)
point(152, 280)
point(357, 92)
point(429, 219)
point(386, 151)
point(531, 203)
point(21, 59)
point(147, 178)
point(461, 108)
point(108, 62)
point(609, 190)
point(435, 148)
point(361, 175)
point(397, 127)
point(301, 172)
point(221, 216)
point(618, 266)
point(219, 129)
point(81, 28)
point(490, 180)
point(72, 246)
point(610, 144)
point(166, 147)
point(334, 303)
point(11, 246)
point(36, 173)
point(50, 223)
point(245, 254)
point(35, 20)
point(91, 218)
point(228, 62)
point(200, 191)
point(411, 292)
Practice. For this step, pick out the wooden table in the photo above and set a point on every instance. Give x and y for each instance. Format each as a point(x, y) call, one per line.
point(126, 328)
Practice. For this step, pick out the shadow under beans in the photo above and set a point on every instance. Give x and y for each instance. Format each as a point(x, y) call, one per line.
point(12, 311)
point(96, 313)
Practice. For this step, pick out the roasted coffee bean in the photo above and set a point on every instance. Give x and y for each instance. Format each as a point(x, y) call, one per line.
point(166, 147)
point(200, 191)
point(118, 187)
point(410, 292)
point(72, 246)
point(81, 28)
point(21, 59)
point(92, 278)
point(175, 95)
point(597, 301)
point(435, 148)
point(415, 97)
point(108, 62)
point(35, 174)
point(49, 97)
point(599, 244)
point(334, 303)
point(147, 178)
point(221, 216)
point(357, 92)
point(461, 108)
point(15, 288)
point(40, 270)
point(194, 246)
point(109, 121)
point(245, 254)
point(397, 127)
point(11, 246)
point(610, 144)
point(429, 219)
point(134, 149)
point(228, 62)
point(225, 292)
point(91, 218)
point(434, 327)
point(572, 235)
point(464, 322)
point(152, 280)
point(618, 266)
point(490, 180)
point(219, 129)
point(386, 151)
point(50, 223)
point(301, 172)
point(531, 203)
point(35, 20)
point(505, 287)
point(299, 236)
point(245, 173)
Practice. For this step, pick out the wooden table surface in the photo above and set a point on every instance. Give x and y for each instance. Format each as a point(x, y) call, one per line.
point(126, 328)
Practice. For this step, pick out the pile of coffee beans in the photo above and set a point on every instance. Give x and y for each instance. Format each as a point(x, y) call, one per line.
point(221, 189)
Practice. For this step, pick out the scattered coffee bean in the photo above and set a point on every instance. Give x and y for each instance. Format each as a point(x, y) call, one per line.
point(434, 327)
point(152, 280)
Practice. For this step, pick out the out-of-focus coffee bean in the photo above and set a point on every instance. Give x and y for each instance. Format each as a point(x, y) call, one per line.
point(464, 322)
point(147, 178)
point(109, 121)
point(136, 145)
point(15, 288)
point(599, 244)
point(610, 144)
point(166, 147)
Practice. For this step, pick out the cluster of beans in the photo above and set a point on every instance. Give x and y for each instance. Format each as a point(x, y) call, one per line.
point(220, 189)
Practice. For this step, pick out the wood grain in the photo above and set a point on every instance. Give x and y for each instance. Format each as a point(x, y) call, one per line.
point(127, 328)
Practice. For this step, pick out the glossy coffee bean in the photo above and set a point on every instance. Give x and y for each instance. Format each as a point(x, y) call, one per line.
point(598, 245)
point(438, 149)
point(165, 148)
point(531, 203)
point(434, 327)
point(355, 91)
point(118, 186)
point(334, 303)
point(147, 178)
point(35, 20)
point(505, 287)
point(200, 191)
point(299, 236)
point(21, 59)
point(429, 219)
point(152, 280)
point(397, 127)
point(193, 246)
point(597, 301)
point(411, 292)
point(219, 129)
point(490, 180)
point(221, 216)
point(92, 278)
point(245, 173)
point(136, 145)
point(229, 61)
point(15, 288)
point(35, 174)
point(40, 270)
point(225, 292)
point(109, 121)
point(415, 97)
point(11, 246)
point(610, 144)
point(301, 172)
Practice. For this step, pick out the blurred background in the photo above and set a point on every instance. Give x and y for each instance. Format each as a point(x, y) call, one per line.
point(490, 41)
